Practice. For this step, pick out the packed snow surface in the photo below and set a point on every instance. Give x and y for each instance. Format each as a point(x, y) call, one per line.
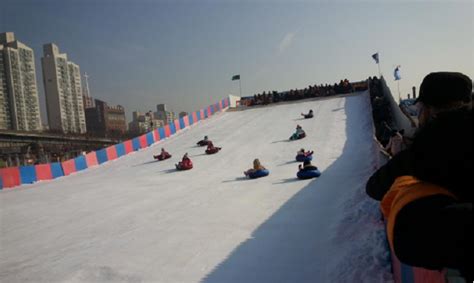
point(137, 220)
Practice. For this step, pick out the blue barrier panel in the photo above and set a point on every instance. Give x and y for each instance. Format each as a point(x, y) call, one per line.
point(206, 114)
point(101, 156)
point(191, 119)
point(149, 138)
point(162, 133)
point(212, 109)
point(1, 182)
point(56, 170)
point(80, 163)
point(198, 114)
point(120, 148)
point(28, 174)
point(407, 273)
point(172, 128)
point(136, 144)
point(181, 123)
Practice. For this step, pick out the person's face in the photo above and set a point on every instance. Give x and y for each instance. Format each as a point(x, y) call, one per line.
point(423, 113)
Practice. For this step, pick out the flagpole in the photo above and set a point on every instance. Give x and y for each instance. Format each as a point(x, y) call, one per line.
point(398, 83)
point(240, 86)
point(378, 65)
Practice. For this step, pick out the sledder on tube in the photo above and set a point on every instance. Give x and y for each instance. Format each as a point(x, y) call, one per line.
point(185, 163)
point(163, 155)
point(203, 142)
point(302, 155)
point(257, 171)
point(309, 115)
point(307, 171)
point(299, 134)
point(211, 149)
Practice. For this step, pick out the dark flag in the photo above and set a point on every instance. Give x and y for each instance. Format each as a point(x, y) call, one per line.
point(236, 77)
point(376, 57)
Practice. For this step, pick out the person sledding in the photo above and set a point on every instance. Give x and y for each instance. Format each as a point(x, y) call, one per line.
point(303, 155)
point(185, 163)
point(307, 171)
point(163, 155)
point(257, 171)
point(299, 134)
point(309, 115)
point(203, 142)
point(211, 149)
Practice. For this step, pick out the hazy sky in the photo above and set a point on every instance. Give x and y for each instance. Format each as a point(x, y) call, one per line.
point(184, 53)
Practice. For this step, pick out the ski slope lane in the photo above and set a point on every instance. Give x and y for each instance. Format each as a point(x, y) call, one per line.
point(136, 220)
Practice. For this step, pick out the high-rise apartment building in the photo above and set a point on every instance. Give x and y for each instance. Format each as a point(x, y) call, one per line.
point(163, 114)
point(63, 89)
point(19, 103)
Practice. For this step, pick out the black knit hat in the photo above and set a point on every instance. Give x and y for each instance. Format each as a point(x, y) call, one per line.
point(438, 89)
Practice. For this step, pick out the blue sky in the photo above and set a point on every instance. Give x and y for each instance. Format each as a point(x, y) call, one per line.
point(184, 53)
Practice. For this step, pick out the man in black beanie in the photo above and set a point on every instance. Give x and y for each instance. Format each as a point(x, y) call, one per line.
point(425, 191)
point(439, 92)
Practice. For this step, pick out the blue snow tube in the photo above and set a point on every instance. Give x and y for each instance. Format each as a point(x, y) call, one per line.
point(259, 173)
point(308, 174)
point(302, 158)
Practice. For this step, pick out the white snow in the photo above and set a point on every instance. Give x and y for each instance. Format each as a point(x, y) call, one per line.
point(135, 220)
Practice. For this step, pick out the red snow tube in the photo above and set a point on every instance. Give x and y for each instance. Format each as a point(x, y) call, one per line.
point(184, 165)
point(213, 150)
point(161, 157)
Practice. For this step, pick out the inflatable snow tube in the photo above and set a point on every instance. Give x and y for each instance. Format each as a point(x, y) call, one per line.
point(303, 158)
point(180, 167)
point(213, 150)
point(202, 143)
point(160, 157)
point(297, 137)
point(259, 174)
point(308, 174)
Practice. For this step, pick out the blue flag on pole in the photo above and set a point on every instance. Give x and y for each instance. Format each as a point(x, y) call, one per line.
point(376, 57)
point(396, 73)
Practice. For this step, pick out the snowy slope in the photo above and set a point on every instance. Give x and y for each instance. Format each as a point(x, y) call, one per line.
point(135, 220)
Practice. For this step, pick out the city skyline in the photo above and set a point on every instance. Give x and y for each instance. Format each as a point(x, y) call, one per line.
point(184, 54)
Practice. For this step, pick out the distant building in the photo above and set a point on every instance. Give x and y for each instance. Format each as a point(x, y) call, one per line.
point(105, 121)
point(143, 123)
point(63, 89)
point(19, 103)
point(164, 115)
point(182, 114)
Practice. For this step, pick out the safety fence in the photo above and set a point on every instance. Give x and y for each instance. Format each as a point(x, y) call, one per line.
point(15, 176)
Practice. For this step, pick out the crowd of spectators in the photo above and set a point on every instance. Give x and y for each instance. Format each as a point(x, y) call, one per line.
point(344, 86)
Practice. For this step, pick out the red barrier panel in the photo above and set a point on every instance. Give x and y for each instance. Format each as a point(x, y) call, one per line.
point(428, 276)
point(167, 131)
point(209, 111)
point(156, 135)
point(220, 105)
point(186, 120)
point(91, 159)
point(112, 152)
point(69, 167)
point(176, 125)
point(43, 172)
point(143, 143)
point(128, 146)
point(10, 177)
point(195, 117)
